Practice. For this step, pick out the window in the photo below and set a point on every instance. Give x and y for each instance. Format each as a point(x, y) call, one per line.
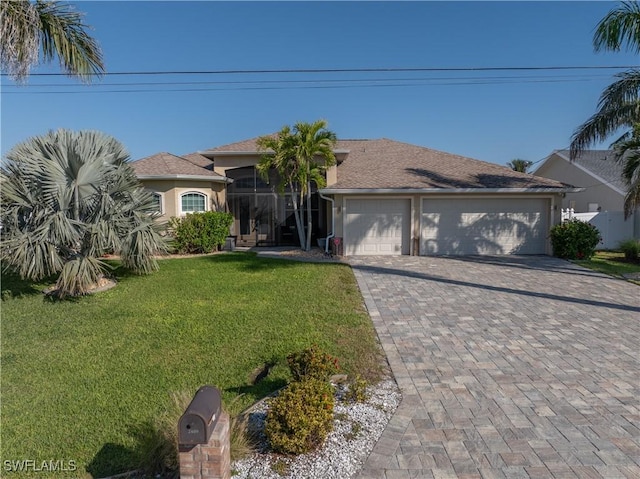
point(157, 200)
point(193, 202)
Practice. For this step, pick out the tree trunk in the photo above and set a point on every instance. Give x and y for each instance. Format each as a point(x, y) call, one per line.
point(309, 219)
point(296, 215)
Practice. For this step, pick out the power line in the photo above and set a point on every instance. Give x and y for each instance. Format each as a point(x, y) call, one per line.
point(300, 87)
point(349, 80)
point(349, 70)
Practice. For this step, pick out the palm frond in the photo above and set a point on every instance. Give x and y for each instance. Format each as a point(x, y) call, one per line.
point(602, 125)
point(50, 27)
point(620, 27)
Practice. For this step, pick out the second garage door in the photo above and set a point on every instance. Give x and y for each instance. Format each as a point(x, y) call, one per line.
point(377, 226)
point(484, 226)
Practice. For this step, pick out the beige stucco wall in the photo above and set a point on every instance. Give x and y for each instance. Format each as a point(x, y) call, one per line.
point(171, 190)
point(223, 163)
point(595, 192)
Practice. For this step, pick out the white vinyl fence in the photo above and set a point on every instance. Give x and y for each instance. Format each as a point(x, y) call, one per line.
point(611, 225)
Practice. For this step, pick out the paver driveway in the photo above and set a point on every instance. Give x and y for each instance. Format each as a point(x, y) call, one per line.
point(510, 367)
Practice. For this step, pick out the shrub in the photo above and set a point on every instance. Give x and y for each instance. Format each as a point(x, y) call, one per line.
point(312, 363)
point(631, 249)
point(200, 232)
point(574, 239)
point(357, 391)
point(301, 417)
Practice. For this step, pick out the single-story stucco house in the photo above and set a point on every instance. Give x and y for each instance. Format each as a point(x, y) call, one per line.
point(602, 191)
point(382, 197)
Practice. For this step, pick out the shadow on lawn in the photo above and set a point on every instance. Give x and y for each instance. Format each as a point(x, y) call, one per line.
point(251, 262)
point(111, 459)
point(14, 287)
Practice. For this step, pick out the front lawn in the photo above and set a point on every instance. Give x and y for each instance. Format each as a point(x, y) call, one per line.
point(612, 263)
point(80, 377)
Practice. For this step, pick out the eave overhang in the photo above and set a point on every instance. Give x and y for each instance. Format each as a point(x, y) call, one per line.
point(208, 179)
point(435, 191)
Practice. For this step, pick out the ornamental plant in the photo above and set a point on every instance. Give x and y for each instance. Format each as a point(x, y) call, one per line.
point(301, 417)
point(631, 249)
point(574, 239)
point(312, 363)
point(200, 232)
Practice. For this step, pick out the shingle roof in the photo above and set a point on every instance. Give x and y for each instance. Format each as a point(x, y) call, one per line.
point(601, 163)
point(248, 146)
point(375, 164)
point(383, 163)
point(167, 164)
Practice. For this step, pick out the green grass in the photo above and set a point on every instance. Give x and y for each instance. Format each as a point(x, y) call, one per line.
point(81, 378)
point(610, 262)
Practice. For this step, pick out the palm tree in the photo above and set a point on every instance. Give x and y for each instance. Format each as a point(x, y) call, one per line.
point(520, 165)
point(619, 103)
point(627, 150)
point(294, 154)
point(26, 28)
point(67, 199)
point(280, 154)
point(314, 142)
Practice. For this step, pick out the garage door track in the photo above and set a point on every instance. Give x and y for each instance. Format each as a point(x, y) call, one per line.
point(510, 367)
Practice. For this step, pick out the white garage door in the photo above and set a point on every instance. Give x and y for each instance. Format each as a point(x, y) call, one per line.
point(377, 227)
point(483, 226)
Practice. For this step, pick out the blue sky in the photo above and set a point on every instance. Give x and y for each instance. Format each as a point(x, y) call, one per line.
point(490, 115)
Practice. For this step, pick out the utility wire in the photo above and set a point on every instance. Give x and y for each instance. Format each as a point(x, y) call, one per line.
point(349, 70)
point(298, 87)
point(348, 80)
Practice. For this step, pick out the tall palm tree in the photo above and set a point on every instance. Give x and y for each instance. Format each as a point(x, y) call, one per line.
point(520, 165)
point(300, 156)
point(280, 154)
point(619, 103)
point(627, 150)
point(314, 142)
point(56, 29)
point(68, 198)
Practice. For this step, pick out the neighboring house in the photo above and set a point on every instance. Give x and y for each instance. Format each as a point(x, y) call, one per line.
point(382, 197)
point(600, 177)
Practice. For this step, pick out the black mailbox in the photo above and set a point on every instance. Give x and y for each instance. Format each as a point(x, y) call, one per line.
point(196, 424)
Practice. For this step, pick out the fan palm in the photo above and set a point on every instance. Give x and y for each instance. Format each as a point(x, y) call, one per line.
point(56, 29)
point(619, 104)
point(67, 199)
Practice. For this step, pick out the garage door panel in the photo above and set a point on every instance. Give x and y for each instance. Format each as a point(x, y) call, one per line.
point(483, 226)
point(374, 226)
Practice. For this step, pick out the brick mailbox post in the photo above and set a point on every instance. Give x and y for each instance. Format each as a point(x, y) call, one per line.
point(203, 438)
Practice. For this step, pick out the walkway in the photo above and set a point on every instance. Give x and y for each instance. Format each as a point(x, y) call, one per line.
point(510, 367)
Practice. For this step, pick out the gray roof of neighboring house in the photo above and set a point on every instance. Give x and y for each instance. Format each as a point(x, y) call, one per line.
point(600, 163)
point(167, 164)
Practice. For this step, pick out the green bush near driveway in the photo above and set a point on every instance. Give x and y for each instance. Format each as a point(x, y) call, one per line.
point(79, 378)
point(574, 239)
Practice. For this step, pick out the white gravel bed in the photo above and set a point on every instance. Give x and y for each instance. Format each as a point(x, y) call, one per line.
point(357, 427)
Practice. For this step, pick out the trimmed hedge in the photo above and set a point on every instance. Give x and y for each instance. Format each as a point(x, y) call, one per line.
point(200, 232)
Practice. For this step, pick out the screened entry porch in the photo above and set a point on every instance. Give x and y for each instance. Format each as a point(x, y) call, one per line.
point(262, 217)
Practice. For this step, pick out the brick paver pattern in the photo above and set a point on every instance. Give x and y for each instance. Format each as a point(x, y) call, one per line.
point(510, 367)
